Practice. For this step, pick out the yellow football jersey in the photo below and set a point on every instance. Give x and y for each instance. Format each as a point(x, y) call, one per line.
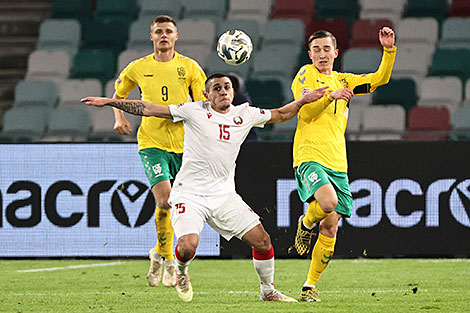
point(180, 80)
point(321, 124)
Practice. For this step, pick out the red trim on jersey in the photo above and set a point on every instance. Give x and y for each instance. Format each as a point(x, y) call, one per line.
point(179, 257)
point(263, 255)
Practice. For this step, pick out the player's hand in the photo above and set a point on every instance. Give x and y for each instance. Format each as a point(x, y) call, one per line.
point(314, 95)
point(95, 101)
point(122, 126)
point(387, 37)
point(343, 93)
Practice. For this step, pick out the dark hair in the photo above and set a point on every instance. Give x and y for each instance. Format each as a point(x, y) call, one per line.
point(321, 34)
point(163, 19)
point(211, 77)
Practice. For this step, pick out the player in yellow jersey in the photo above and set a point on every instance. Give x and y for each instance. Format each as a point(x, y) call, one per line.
point(163, 77)
point(319, 150)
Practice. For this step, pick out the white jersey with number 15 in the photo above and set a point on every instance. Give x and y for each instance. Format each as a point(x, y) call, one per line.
point(212, 142)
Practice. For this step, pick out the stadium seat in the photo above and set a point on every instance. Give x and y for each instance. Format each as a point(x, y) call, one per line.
point(338, 27)
point(282, 32)
point(66, 121)
point(447, 62)
point(467, 90)
point(77, 9)
point(60, 34)
point(102, 123)
point(196, 39)
point(355, 118)
point(365, 33)
point(106, 34)
point(216, 65)
point(379, 9)
point(426, 8)
point(214, 10)
point(257, 10)
point(438, 91)
point(383, 122)
point(151, 9)
point(285, 64)
point(397, 91)
point(123, 10)
point(267, 94)
point(51, 65)
point(27, 121)
point(35, 93)
point(410, 63)
point(418, 30)
point(72, 90)
point(99, 64)
point(303, 10)
point(361, 60)
point(139, 36)
point(347, 9)
point(428, 123)
point(455, 33)
point(250, 27)
point(460, 122)
point(460, 8)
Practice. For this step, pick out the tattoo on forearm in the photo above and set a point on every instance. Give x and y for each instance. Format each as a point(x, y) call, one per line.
point(136, 108)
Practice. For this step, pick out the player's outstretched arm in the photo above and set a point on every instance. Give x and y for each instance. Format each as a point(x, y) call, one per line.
point(291, 109)
point(136, 107)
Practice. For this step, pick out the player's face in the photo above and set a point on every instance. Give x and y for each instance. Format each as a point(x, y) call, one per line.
point(220, 94)
point(323, 54)
point(164, 36)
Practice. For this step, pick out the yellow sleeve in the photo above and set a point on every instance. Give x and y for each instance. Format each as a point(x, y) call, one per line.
point(124, 84)
point(197, 82)
point(303, 82)
point(366, 83)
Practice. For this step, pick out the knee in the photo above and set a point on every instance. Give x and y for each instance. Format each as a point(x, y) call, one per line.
point(263, 243)
point(162, 202)
point(329, 205)
point(186, 247)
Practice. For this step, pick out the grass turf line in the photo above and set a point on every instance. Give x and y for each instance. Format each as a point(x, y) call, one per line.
point(388, 285)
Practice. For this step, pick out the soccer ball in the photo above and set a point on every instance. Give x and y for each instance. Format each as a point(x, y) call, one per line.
point(234, 47)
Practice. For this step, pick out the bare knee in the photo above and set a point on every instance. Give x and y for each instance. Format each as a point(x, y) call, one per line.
point(262, 242)
point(329, 204)
point(187, 246)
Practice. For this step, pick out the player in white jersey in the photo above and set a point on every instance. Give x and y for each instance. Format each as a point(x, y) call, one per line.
point(204, 188)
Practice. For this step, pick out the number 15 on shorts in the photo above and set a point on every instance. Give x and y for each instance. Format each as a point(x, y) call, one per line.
point(180, 208)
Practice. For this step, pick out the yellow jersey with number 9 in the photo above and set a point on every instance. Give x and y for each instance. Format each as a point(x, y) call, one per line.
point(321, 124)
point(177, 81)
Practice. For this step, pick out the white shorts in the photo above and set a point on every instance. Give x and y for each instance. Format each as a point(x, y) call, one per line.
point(229, 215)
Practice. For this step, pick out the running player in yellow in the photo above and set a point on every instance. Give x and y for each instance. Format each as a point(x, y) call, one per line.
point(164, 77)
point(319, 150)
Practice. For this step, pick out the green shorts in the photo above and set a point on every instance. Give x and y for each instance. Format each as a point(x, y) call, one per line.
point(160, 165)
point(310, 176)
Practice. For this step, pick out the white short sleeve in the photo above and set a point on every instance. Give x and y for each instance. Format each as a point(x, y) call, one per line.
point(260, 116)
point(182, 111)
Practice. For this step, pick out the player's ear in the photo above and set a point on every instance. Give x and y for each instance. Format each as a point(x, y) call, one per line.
point(205, 94)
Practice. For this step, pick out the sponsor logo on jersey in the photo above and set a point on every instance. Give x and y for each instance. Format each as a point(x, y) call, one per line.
point(238, 120)
point(209, 115)
point(305, 91)
point(118, 80)
point(157, 169)
point(313, 177)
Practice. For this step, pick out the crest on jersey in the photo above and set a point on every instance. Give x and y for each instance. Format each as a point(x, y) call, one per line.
point(181, 71)
point(305, 91)
point(261, 111)
point(238, 120)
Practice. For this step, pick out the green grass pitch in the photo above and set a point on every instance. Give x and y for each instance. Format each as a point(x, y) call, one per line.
point(380, 285)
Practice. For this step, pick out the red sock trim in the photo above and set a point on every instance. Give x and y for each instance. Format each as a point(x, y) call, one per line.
point(263, 255)
point(179, 257)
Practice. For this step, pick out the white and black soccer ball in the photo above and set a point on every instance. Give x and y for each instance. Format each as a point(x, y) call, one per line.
point(234, 47)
